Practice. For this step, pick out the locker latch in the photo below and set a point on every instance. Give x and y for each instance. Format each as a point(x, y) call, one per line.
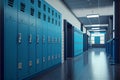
point(19, 38)
point(30, 38)
point(30, 63)
point(53, 40)
point(48, 58)
point(37, 61)
point(48, 39)
point(19, 65)
point(43, 39)
point(37, 40)
point(56, 57)
point(52, 57)
point(43, 59)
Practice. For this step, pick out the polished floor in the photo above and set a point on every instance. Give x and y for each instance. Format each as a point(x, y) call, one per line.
point(91, 65)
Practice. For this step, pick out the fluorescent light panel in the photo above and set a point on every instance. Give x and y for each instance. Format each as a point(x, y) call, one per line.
point(97, 25)
point(93, 16)
point(95, 28)
point(98, 30)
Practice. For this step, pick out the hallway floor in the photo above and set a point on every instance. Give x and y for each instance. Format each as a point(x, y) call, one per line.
point(91, 65)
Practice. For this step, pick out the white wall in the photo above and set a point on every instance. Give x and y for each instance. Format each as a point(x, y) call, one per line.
point(66, 14)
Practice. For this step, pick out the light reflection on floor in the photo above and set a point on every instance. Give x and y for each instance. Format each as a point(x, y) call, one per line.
point(91, 65)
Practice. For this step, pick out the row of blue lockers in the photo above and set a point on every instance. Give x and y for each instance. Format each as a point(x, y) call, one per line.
point(78, 42)
point(32, 38)
point(110, 50)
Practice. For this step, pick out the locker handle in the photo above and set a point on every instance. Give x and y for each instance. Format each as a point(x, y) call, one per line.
point(19, 65)
point(48, 39)
point(19, 37)
point(48, 58)
point(43, 39)
point(37, 40)
point(30, 63)
point(30, 38)
point(43, 59)
point(52, 40)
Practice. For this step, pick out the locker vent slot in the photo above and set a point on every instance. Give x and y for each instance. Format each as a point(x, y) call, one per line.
point(10, 3)
point(48, 19)
point(39, 3)
point(44, 7)
point(32, 12)
point(59, 16)
point(52, 12)
point(48, 10)
point(56, 15)
point(22, 7)
point(59, 23)
point(39, 15)
point(44, 17)
point(52, 21)
point(32, 1)
point(56, 22)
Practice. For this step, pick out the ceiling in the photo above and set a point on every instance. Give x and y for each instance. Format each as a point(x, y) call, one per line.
point(82, 8)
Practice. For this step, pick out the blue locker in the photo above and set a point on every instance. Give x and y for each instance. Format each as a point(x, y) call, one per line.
point(60, 36)
point(49, 20)
point(44, 37)
point(52, 38)
point(32, 36)
point(10, 34)
point(39, 38)
point(23, 26)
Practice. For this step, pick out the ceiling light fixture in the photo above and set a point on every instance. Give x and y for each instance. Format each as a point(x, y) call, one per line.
point(98, 30)
point(95, 28)
point(97, 25)
point(93, 16)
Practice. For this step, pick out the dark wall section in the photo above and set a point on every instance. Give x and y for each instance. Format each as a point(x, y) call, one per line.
point(1, 24)
point(117, 31)
point(85, 42)
point(68, 40)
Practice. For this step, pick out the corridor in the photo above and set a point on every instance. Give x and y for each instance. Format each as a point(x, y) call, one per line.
point(91, 65)
point(60, 39)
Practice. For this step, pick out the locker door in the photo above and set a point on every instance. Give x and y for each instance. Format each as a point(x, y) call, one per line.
point(32, 37)
point(60, 36)
point(56, 34)
point(49, 22)
point(44, 40)
point(10, 34)
point(39, 37)
point(52, 38)
point(23, 22)
point(39, 46)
